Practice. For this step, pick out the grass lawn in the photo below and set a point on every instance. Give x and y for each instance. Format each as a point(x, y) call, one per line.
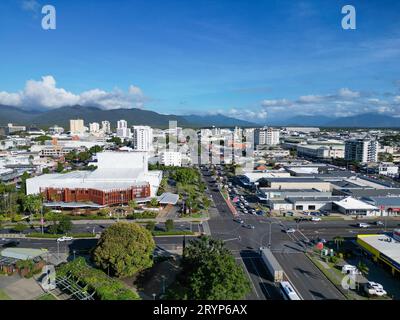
point(3, 296)
point(46, 296)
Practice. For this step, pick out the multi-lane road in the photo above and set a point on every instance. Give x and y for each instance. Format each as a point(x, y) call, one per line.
point(288, 248)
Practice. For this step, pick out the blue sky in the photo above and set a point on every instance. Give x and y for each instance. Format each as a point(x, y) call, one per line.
point(255, 60)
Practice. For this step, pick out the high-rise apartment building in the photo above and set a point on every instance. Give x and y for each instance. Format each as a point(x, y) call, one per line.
point(76, 126)
point(123, 131)
point(106, 127)
point(362, 150)
point(142, 137)
point(266, 136)
point(94, 127)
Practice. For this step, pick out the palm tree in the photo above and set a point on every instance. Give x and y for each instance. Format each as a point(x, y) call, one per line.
point(338, 241)
point(363, 268)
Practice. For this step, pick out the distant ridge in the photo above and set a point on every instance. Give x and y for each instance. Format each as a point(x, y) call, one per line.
point(134, 116)
point(366, 120)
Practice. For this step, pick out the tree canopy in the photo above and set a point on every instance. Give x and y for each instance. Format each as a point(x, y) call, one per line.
point(124, 249)
point(210, 272)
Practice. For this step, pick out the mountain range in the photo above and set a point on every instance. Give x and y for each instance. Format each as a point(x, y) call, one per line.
point(61, 117)
point(366, 120)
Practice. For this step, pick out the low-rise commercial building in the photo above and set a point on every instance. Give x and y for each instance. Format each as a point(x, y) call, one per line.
point(119, 178)
point(351, 206)
point(382, 248)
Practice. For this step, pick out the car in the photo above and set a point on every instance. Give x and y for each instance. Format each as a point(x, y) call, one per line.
point(11, 244)
point(65, 238)
point(238, 220)
point(379, 223)
point(245, 211)
point(248, 226)
point(363, 225)
point(290, 230)
point(375, 285)
point(301, 219)
point(315, 219)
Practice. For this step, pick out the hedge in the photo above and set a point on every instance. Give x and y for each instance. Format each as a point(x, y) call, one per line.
point(55, 236)
point(142, 215)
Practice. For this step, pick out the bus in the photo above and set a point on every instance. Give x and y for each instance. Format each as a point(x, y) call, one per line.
point(288, 292)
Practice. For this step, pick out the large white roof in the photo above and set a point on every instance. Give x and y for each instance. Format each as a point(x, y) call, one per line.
point(350, 203)
point(384, 244)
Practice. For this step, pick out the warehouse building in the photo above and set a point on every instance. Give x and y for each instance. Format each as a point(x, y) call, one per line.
point(297, 183)
point(351, 206)
point(382, 248)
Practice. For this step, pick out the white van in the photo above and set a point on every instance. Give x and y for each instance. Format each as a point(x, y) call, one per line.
point(349, 269)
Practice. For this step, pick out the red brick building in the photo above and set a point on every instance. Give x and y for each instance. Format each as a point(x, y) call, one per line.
point(101, 197)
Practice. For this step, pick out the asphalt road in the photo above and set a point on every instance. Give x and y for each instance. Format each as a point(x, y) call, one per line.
point(306, 278)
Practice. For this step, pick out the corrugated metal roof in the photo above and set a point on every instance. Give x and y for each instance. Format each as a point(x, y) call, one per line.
point(22, 253)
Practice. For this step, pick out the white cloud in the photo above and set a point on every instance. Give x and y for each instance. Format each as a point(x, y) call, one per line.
point(276, 103)
point(348, 94)
point(30, 5)
point(311, 99)
point(134, 90)
point(45, 94)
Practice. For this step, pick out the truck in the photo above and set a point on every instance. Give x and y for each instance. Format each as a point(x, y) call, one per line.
point(272, 264)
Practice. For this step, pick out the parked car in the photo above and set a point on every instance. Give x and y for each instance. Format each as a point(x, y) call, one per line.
point(363, 225)
point(238, 220)
point(248, 226)
point(373, 288)
point(290, 230)
point(315, 219)
point(301, 219)
point(379, 223)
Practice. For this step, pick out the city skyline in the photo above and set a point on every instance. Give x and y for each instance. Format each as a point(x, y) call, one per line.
point(258, 61)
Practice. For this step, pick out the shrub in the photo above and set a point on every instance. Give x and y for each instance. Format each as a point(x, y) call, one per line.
point(96, 280)
point(142, 215)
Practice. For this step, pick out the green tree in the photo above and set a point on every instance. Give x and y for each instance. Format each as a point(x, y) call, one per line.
point(64, 225)
point(95, 149)
point(20, 227)
point(363, 268)
point(124, 249)
point(71, 156)
point(153, 202)
point(60, 167)
point(45, 170)
point(169, 225)
point(24, 177)
point(32, 203)
point(84, 156)
point(338, 240)
point(133, 204)
point(151, 225)
point(210, 272)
